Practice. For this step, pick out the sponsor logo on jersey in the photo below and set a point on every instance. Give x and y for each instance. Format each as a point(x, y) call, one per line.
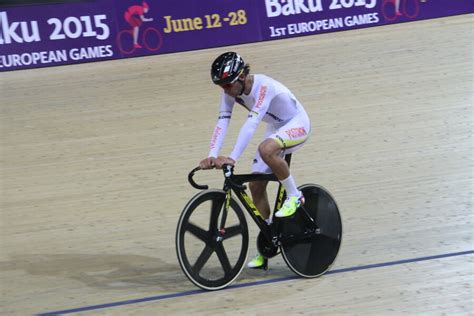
point(216, 134)
point(296, 132)
point(273, 116)
point(261, 96)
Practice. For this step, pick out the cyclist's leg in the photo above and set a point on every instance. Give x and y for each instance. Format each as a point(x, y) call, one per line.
point(397, 7)
point(286, 139)
point(259, 188)
point(135, 24)
point(136, 29)
point(260, 198)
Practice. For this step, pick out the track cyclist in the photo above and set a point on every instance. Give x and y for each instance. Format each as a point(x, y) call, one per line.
point(288, 128)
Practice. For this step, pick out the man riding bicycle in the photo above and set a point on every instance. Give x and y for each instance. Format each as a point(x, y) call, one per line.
point(135, 17)
point(288, 128)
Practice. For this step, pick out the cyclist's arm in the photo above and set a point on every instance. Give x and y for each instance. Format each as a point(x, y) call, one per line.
point(223, 121)
point(144, 19)
point(255, 116)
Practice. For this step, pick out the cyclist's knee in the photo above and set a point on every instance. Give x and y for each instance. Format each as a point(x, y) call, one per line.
point(268, 149)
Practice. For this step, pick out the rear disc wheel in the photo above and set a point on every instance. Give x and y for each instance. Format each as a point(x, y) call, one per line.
point(309, 250)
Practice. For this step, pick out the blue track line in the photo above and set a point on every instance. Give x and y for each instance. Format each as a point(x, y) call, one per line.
point(195, 292)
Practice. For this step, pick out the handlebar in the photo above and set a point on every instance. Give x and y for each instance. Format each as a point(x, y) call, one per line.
point(193, 183)
point(228, 173)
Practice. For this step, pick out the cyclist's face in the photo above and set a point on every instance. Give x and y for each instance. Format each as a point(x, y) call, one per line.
point(232, 89)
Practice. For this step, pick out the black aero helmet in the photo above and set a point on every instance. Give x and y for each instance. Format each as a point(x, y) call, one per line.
point(227, 68)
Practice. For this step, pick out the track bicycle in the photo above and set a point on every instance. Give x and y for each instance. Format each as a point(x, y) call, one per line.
point(409, 8)
point(212, 237)
point(151, 38)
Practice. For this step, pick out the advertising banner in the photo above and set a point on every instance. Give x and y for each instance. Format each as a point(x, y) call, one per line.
point(289, 18)
point(47, 35)
point(166, 26)
point(92, 30)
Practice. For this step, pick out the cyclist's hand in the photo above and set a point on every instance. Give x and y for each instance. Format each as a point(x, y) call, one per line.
point(207, 163)
point(221, 160)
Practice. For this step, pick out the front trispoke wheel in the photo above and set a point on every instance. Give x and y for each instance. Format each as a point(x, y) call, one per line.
point(210, 257)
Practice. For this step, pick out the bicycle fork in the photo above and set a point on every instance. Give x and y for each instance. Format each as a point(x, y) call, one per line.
point(225, 209)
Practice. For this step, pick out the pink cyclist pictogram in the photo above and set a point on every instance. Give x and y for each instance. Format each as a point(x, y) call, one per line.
point(393, 9)
point(129, 40)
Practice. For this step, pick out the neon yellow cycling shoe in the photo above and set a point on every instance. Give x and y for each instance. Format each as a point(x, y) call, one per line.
point(290, 206)
point(259, 262)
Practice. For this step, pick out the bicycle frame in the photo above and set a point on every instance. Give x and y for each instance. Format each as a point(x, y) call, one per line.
point(235, 183)
point(247, 202)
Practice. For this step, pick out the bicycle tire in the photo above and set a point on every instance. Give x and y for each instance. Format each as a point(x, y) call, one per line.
point(208, 263)
point(312, 256)
point(411, 9)
point(152, 39)
point(127, 48)
point(388, 10)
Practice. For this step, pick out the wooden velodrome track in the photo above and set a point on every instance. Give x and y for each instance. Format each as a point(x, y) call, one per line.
point(95, 159)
